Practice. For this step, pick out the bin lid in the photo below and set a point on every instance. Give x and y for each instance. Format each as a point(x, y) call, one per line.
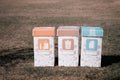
point(92, 31)
point(68, 31)
point(43, 31)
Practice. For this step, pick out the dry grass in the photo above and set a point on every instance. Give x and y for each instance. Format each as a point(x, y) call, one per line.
point(17, 18)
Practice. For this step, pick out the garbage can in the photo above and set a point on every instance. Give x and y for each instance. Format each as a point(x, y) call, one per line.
point(68, 45)
point(91, 46)
point(43, 46)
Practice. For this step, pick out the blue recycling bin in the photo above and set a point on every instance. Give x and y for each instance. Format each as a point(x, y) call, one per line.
point(91, 46)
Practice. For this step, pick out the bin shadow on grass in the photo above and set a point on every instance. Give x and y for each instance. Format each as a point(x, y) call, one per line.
point(109, 60)
point(11, 57)
point(56, 61)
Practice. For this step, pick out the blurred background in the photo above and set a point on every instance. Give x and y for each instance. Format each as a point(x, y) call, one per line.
point(19, 17)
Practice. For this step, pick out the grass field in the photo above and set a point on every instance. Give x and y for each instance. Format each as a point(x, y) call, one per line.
point(18, 17)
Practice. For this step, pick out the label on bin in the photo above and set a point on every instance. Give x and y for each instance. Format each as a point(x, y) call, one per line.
point(92, 44)
point(68, 44)
point(43, 44)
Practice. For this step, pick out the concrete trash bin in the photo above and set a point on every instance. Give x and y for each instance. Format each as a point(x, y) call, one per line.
point(91, 46)
point(68, 45)
point(43, 46)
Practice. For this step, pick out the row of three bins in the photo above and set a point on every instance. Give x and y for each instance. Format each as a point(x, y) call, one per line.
point(70, 42)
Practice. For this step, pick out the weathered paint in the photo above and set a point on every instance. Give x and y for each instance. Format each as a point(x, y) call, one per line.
point(68, 46)
point(91, 46)
point(44, 46)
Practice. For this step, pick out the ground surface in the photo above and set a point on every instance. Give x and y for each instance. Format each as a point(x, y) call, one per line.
point(18, 17)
